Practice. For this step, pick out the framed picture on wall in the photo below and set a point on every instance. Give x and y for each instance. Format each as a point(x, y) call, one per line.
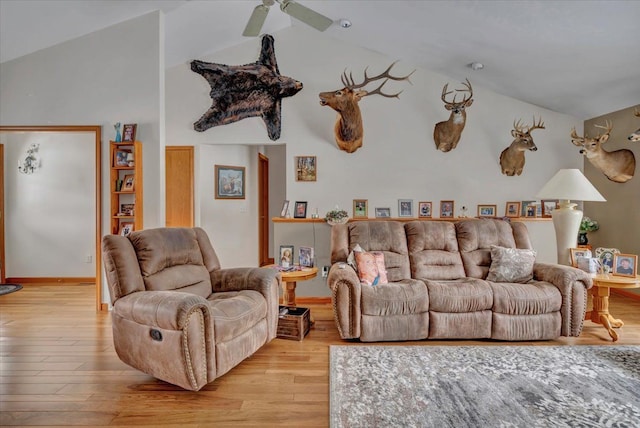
point(229, 182)
point(512, 209)
point(384, 212)
point(405, 207)
point(300, 210)
point(424, 209)
point(129, 133)
point(360, 208)
point(306, 168)
point(486, 210)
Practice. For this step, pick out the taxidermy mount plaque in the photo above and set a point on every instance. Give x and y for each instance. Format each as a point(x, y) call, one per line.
point(241, 91)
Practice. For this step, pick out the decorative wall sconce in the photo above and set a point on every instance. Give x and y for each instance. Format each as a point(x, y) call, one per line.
point(31, 162)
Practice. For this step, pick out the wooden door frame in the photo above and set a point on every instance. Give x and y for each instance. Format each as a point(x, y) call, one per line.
point(2, 271)
point(263, 210)
point(97, 130)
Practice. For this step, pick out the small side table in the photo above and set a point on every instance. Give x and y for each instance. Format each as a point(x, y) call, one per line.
point(602, 285)
point(289, 283)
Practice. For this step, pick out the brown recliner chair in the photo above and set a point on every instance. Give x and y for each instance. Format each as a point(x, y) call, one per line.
point(176, 314)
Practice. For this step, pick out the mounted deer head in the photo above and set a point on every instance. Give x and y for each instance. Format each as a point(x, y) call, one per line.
point(512, 158)
point(635, 136)
point(348, 129)
point(618, 166)
point(447, 134)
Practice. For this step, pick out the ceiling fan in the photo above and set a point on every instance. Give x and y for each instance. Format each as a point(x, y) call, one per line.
point(290, 7)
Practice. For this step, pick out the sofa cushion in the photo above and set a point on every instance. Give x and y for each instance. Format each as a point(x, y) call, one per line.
point(433, 250)
point(397, 298)
point(536, 297)
point(511, 264)
point(235, 312)
point(462, 295)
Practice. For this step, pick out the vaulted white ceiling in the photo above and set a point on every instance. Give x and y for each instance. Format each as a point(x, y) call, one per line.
point(576, 57)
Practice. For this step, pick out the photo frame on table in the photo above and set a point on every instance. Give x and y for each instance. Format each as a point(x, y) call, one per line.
point(405, 207)
point(548, 205)
point(230, 182)
point(306, 168)
point(425, 210)
point(285, 209)
point(383, 212)
point(300, 209)
point(128, 183)
point(120, 158)
point(487, 210)
point(578, 252)
point(129, 132)
point(529, 209)
point(625, 265)
point(606, 256)
point(446, 209)
point(360, 208)
point(126, 228)
point(306, 256)
point(512, 209)
point(286, 256)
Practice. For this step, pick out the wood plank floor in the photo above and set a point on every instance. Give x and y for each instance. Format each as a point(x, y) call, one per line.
point(58, 367)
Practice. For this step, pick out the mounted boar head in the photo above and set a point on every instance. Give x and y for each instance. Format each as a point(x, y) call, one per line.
point(348, 129)
point(447, 134)
point(619, 165)
point(512, 158)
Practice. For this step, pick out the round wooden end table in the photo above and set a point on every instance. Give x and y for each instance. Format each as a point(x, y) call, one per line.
point(601, 290)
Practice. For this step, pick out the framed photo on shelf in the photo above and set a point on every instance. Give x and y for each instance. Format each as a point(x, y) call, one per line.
point(360, 208)
point(487, 210)
point(229, 182)
point(306, 256)
point(424, 209)
point(285, 209)
point(126, 228)
point(578, 252)
point(129, 132)
point(446, 209)
point(606, 256)
point(384, 212)
point(120, 158)
point(127, 209)
point(405, 207)
point(128, 183)
point(528, 209)
point(300, 209)
point(306, 168)
point(512, 209)
point(548, 205)
point(286, 255)
point(625, 265)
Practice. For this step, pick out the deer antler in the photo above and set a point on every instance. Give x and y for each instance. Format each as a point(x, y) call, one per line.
point(636, 112)
point(468, 88)
point(539, 125)
point(608, 126)
point(574, 134)
point(349, 82)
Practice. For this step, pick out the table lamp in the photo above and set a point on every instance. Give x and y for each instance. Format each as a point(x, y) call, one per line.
point(567, 185)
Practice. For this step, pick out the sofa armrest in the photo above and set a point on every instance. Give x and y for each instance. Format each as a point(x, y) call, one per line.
point(573, 285)
point(267, 281)
point(167, 310)
point(345, 295)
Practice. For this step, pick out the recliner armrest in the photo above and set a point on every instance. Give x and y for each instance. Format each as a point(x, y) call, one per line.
point(345, 292)
point(560, 275)
point(168, 310)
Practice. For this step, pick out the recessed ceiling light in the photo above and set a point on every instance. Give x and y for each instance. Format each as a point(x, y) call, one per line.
point(345, 23)
point(475, 66)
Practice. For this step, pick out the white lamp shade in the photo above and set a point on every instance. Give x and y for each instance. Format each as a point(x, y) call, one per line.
point(570, 184)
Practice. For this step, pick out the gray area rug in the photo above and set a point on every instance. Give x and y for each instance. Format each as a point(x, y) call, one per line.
point(9, 288)
point(484, 386)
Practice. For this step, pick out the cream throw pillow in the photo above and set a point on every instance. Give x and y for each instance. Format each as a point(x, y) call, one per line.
point(511, 264)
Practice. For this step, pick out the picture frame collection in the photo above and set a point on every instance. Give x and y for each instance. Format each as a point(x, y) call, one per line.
point(606, 260)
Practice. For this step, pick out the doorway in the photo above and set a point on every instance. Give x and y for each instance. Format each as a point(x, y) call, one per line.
point(263, 210)
point(42, 134)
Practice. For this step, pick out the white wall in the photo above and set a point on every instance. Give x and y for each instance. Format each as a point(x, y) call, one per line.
point(399, 158)
point(112, 75)
point(50, 214)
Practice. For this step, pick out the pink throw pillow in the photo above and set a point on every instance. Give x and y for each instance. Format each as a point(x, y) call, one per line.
point(371, 268)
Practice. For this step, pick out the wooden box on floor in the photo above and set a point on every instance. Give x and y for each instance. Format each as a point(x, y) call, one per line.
point(294, 324)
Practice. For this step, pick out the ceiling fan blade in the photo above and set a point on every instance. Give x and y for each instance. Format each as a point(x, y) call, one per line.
point(256, 20)
point(306, 15)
